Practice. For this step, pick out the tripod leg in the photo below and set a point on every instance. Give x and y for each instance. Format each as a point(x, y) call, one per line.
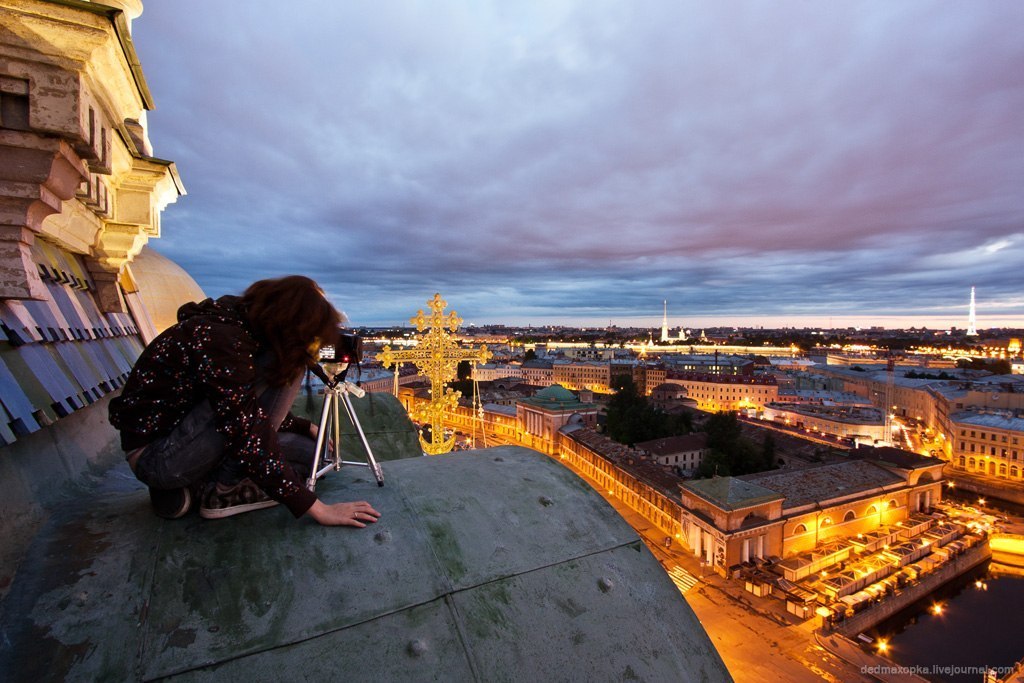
point(371, 462)
point(336, 430)
point(322, 436)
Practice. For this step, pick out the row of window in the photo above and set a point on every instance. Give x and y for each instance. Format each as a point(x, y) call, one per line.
point(848, 517)
point(989, 467)
point(991, 436)
point(1003, 452)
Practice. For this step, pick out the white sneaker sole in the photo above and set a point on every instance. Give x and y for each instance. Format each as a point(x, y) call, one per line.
point(221, 513)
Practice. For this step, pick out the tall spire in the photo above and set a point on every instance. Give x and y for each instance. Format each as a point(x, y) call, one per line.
point(664, 323)
point(972, 323)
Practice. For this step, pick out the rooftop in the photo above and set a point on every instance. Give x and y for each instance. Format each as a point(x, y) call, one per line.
point(825, 482)
point(730, 493)
point(671, 445)
point(556, 397)
point(895, 457)
point(485, 565)
point(994, 419)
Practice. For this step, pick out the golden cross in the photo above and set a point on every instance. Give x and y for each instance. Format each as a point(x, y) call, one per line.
point(437, 356)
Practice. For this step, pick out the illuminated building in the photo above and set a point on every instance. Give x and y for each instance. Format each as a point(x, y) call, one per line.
point(488, 372)
point(989, 445)
point(685, 453)
point(730, 520)
point(850, 422)
point(582, 375)
point(726, 392)
point(541, 416)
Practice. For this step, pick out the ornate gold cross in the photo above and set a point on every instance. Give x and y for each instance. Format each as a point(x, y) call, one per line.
point(437, 356)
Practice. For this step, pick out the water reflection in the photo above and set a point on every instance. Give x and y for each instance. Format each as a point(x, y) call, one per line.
point(974, 621)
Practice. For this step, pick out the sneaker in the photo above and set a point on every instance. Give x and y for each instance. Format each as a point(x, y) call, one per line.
point(219, 502)
point(170, 503)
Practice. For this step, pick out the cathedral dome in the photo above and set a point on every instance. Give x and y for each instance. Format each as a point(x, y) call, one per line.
point(163, 287)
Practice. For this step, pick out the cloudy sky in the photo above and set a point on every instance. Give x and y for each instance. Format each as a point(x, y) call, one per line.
point(775, 163)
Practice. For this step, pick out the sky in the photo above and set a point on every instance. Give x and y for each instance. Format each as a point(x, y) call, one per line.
point(580, 162)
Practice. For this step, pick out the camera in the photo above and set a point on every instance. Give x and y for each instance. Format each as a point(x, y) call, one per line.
point(347, 347)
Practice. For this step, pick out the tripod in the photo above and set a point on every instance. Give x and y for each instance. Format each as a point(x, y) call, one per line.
point(337, 390)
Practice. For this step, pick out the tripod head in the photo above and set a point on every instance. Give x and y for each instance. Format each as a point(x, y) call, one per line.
point(335, 357)
point(331, 374)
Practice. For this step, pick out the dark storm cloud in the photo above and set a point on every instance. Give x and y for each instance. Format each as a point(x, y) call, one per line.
point(587, 160)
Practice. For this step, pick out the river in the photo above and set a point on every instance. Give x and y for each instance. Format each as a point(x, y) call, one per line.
point(980, 623)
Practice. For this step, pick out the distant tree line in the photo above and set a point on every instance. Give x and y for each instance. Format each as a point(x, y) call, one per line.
point(913, 374)
point(996, 367)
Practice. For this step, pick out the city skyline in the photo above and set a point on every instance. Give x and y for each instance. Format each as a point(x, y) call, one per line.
point(755, 164)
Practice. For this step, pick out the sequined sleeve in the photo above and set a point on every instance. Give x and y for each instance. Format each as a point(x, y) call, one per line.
point(226, 373)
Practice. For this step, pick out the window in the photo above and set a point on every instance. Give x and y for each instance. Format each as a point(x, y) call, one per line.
point(893, 504)
point(800, 529)
point(826, 522)
point(962, 459)
point(849, 516)
point(1014, 472)
point(872, 510)
point(973, 463)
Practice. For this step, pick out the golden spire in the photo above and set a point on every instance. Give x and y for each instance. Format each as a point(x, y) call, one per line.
point(437, 356)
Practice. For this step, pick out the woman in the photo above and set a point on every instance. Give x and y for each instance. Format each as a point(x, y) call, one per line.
point(206, 405)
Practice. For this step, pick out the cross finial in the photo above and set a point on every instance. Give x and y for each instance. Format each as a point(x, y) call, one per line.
point(437, 356)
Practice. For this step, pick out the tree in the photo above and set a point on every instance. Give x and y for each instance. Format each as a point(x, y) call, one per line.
point(631, 418)
point(996, 367)
point(768, 451)
point(530, 354)
point(723, 431)
point(733, 454)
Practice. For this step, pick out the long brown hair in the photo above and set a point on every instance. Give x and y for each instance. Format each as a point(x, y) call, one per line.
point(289, 314)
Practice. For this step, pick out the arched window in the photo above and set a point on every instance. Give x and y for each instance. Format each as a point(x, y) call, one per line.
point(826, 522)
point(893, 505)
point(872, 510)
point(1002, 469)
point(800, 529)
point(962, 460)
point(973, 463)
point(849, 516)
point(1014, 472)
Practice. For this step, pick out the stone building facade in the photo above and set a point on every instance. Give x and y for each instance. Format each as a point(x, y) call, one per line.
point(731, 520)
point(81, 194)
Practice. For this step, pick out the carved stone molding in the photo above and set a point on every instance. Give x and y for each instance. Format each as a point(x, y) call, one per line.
point(37, 175)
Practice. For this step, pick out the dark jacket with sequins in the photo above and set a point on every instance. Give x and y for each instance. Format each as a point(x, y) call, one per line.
point(209, 354)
